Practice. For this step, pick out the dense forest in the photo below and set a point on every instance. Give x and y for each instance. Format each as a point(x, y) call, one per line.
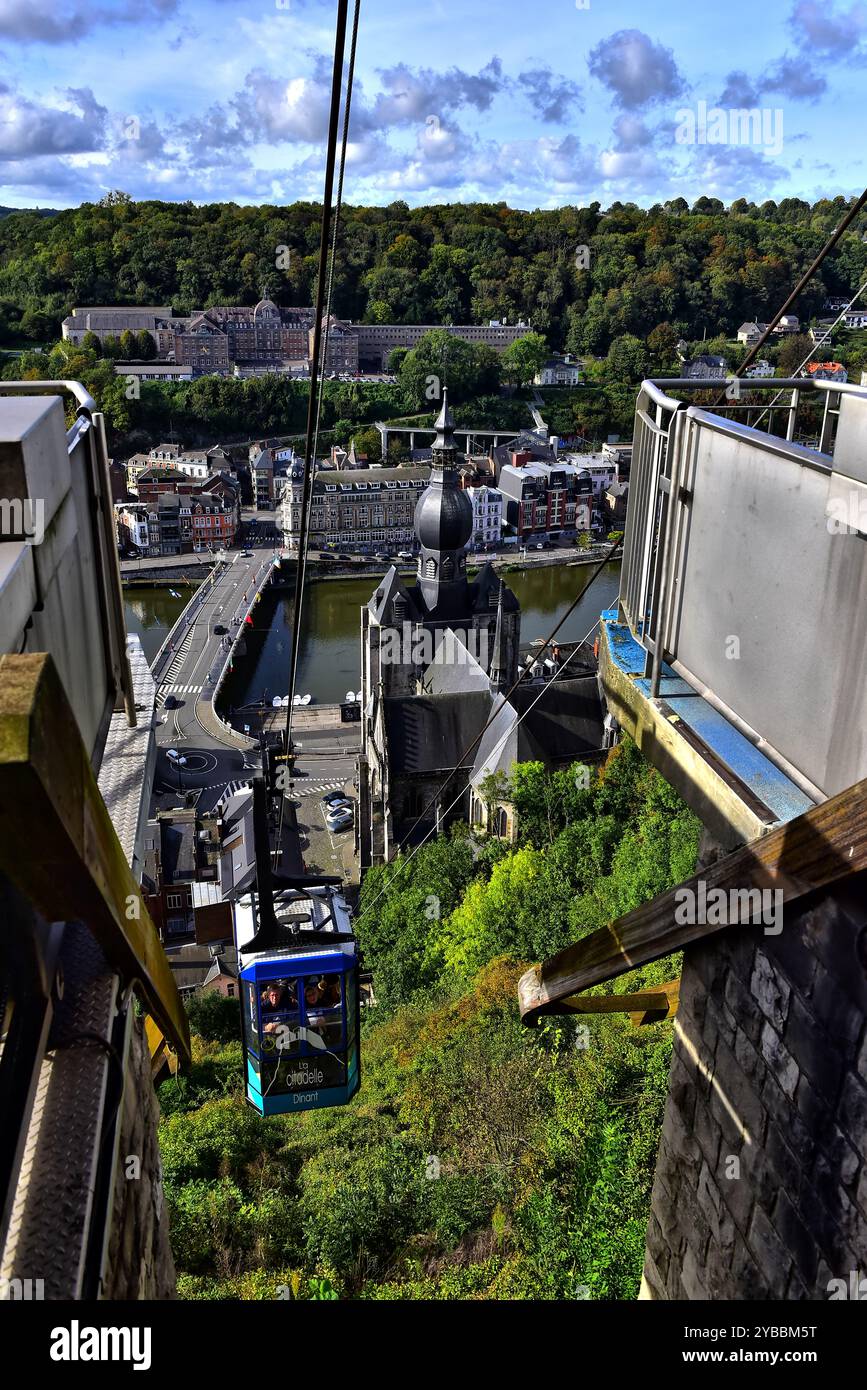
point(703, 270)
point(480, 1159)
point(617, 287)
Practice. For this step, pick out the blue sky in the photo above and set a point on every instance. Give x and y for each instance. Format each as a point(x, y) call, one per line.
point(537, 104)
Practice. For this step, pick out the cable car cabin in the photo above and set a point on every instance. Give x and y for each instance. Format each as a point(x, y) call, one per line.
point(299, 1002)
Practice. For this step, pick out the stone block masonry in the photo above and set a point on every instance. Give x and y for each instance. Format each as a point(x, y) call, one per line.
point(761, 1180)
point(139, 1262)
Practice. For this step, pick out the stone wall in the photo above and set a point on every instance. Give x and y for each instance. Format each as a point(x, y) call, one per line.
point(761, 1180)
point(139, 1263)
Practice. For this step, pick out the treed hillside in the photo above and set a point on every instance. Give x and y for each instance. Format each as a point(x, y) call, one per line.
point(703, 269)
point(480, 1159)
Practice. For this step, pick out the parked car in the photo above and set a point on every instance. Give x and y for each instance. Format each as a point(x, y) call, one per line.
point(342, 819)
point(332, 800)
point(404, 555)
point(219, 629)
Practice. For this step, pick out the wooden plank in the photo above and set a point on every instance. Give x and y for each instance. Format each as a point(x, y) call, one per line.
point(825, 845)
point(57, 843)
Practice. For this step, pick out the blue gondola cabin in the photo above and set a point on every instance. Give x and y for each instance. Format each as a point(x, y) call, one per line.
point(300, 1004)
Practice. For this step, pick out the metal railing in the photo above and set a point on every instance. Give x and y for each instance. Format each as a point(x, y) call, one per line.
point(728, 539)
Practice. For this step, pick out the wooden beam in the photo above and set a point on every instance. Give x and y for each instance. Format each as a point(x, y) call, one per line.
point(57, 843)
point(822, 847)
point(648, 1001)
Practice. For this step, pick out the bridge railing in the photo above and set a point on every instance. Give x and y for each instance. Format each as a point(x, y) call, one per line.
point(744, 564)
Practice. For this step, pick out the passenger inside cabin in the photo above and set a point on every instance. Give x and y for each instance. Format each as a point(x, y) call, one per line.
point(278, 997)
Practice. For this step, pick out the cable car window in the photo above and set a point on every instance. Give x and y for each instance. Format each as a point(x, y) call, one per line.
point(251, 1014)
point(323, 1007)
point(279, 1001)
point(351, 1001)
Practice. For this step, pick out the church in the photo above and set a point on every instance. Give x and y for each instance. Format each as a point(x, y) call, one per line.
point(439, 658)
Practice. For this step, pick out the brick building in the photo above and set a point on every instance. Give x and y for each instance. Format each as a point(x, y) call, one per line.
point(546, 500)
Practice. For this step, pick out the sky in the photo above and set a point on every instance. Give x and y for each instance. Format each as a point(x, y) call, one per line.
point(534, 104)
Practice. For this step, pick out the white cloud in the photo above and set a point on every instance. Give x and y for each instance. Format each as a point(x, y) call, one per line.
point(28, 129)
point(635, 69)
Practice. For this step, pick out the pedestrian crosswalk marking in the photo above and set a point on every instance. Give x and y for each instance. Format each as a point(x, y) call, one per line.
point(315, 788)
point(176, 690)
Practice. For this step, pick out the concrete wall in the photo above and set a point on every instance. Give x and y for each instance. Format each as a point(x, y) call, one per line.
point(761, 1180)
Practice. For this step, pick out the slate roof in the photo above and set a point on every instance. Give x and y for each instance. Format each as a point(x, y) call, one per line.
point(428, 734)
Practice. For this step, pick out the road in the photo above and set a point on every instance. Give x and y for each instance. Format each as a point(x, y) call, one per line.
point(185, 676)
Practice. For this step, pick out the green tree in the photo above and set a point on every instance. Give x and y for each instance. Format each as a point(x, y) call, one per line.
point(628, 359)
point(524, 357)
point(145, 347)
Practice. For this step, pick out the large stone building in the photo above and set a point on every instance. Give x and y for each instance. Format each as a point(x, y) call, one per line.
point(377, 340)
point(238, 336)
point(361, 508)
point(266, 336)
point(439, 659)
point(110, 320)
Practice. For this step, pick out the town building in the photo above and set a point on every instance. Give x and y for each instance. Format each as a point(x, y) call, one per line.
point(132, 526)
point(749, 333)
point(487, 516)
point(262, 477)
point(224, 336)
point(176, 515)
point(603, 470)
point(705, 366)
point(542, 501)
point(826, 371)
point(360, 509)
point(789, 323)
point(619, 454)
point(153, 371)
point(761, 368)
point(197, 464)
point(266, 337)
point(182, 853)
point(559, 371)
point(616, 499)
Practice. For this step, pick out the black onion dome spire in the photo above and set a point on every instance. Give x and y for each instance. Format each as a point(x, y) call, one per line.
point(443, 524)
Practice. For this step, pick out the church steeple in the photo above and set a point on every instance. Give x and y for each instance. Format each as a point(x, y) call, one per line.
point(443, 525)
point(499, 669)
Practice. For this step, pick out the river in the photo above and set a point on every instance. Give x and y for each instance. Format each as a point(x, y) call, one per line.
point(330, 655)
point(151, 613)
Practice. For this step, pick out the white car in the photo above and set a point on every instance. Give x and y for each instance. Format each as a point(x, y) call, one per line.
point(341, 819)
